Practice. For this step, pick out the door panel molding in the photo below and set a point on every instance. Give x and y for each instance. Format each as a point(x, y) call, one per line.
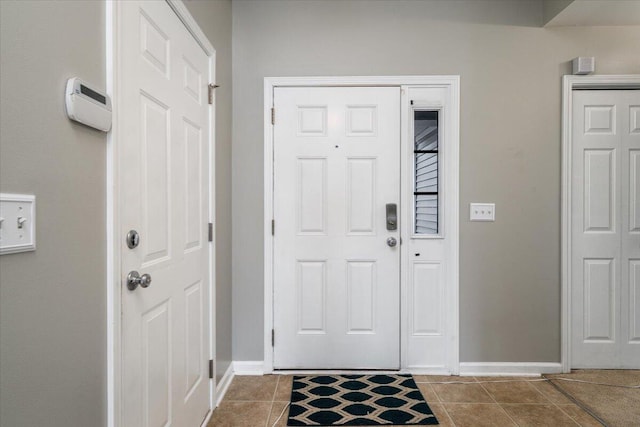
point(363, 124)
point(569, 84)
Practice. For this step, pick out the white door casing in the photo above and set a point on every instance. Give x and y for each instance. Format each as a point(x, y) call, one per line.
point(432, 348)
point(605, 238)
point(336, 280)
point(163, 192)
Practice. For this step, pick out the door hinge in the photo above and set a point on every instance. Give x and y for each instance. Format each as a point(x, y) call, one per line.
point(273, 227)
point(211, 368)
point(273, 338)
point(273, 116)
point(212, 87)
point(211, 232)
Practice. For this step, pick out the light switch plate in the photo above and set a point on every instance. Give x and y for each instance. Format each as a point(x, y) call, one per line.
point(17, 223)
point(482, 212)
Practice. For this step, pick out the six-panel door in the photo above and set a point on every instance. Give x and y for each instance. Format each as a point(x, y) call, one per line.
point(164, 195)
point(336, 279)
point(605, 225)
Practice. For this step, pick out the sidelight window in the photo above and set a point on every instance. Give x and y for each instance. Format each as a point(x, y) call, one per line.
point(427, 172)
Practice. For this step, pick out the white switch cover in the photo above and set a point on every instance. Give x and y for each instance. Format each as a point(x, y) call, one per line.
point(482, 212)
point(17, 223)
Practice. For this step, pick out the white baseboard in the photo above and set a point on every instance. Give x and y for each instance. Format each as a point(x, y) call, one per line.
point(426, 370)
point(509, 368)
point(256, 367)
point(253, 367)
point(223, 385)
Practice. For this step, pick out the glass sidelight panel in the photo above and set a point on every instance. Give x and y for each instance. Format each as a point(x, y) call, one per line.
point(427, 169)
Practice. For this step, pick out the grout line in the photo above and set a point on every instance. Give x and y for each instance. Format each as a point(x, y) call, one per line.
point(444, 408)
point(433, 390)
point(273, 398)
point(494, 399)
point(554, 404)
point(576, 402)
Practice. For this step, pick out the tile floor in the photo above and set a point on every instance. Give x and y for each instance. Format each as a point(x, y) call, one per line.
point(258, 401)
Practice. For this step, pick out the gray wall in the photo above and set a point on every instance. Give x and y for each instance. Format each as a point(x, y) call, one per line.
point(53, 301)
point(214, 17)
point(510, 72)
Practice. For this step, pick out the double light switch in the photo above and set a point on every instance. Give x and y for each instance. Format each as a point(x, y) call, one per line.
point(17, 223)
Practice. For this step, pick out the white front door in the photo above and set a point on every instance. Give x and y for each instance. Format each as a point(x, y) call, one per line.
point(605, 288)
point(164, 190)
point(336, 276)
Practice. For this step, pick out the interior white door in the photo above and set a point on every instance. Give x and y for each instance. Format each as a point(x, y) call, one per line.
point(605, 289)
point(164, 196)
point(336, 278)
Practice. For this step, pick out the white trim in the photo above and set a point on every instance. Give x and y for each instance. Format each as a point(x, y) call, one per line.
point(190, 23)
point(253, 367)
point(452, 257)
point(570, 83)
point(428, 370)
point(224, 384)
point(509, 368)
point(114, 362)
point(206, 420)
point(114, 294)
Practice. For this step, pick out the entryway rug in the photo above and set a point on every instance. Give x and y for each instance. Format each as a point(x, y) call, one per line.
point(357, 400)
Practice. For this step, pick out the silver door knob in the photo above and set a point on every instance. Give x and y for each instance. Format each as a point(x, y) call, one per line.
point(391, 241)
point(134, 279)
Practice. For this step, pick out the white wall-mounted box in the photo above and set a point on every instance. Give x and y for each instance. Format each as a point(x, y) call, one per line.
point(583, 65)
point(482, 212)
point(17, 223)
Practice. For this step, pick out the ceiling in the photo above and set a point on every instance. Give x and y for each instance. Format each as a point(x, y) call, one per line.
point(591, 12)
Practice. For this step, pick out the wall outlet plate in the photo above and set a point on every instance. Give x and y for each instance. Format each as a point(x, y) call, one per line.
point(17, 223)
point(482, 212)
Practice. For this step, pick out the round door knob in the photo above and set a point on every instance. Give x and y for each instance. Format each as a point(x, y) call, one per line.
point(134, 279)
point(391, 241)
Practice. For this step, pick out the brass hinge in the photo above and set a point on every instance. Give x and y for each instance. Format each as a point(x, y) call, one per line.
point(211, 368)
point(211, 88)
point(273, 338)
point(211, 232)
point(273, 116)
point(273, 227)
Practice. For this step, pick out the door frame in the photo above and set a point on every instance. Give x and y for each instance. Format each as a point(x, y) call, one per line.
point(569, 84)
point(452, 175)
point(114, 77)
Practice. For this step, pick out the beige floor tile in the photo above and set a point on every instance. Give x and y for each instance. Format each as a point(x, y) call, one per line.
point(477, 415)
point(580, 416)
point(428, 393)
point(256, 388)
point(551, 393)
point(514, 392)
point(616, 406)
point(240, 414)
point(608, 376)
point(441, 415)
point(538, 415)
point(441, 378)
point(462, 393)
point(277, 409)
point(283, 391)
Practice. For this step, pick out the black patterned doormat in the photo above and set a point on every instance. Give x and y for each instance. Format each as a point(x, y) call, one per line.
point(357, 400)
